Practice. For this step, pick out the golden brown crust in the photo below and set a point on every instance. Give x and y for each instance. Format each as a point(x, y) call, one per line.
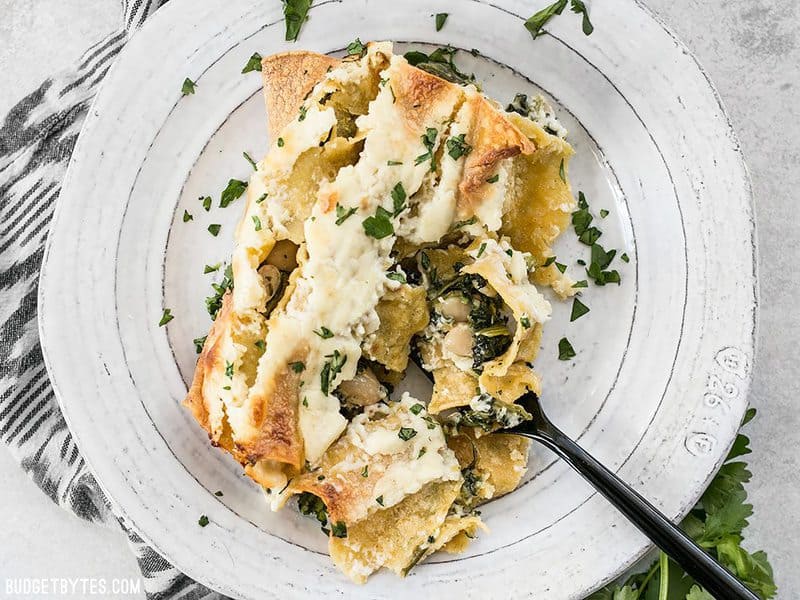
point(417, 93)
point(493, 138)
point(288, 78)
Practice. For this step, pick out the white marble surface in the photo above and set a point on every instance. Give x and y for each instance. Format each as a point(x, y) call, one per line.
point(751, 50)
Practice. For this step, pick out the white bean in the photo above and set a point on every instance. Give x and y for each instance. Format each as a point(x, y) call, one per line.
point(459, 340)
point(363, 389)
point(454, 307)
point(283, 256)
point(272, 279)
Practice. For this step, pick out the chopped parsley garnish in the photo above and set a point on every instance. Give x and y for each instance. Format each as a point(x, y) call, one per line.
point(395, 276)
point(494, 178)
point(253, 64)
point(406, 433)
point(603, 213)
point(280, 142)
point(428, 141)
point(393, 163)
point(228, 369)
point(199, 343)
point(214, 303)
point(624, 257)
point(206, 200)
point(417, 408)
point(211, 268)
point(249, 159)
point(549, 261)
point(295, 13)
point(561, 172)
point(188, 87)
point(578, 310)
point(600, 261)
point(202, 521)
point(565, 350)
point(365, 471)
point(440, 63)
point(305, 401)
point(260, 344)
point(339, 529)
point(303, 113)
point(535, 23)
point(256, 222)
point(379, 499)
point(297, 367)
point(459, 224)
point(422, 451)
point(324, 333)
point(342, 213)
point(457, 147)
point(561, 267)
point(186, 216)
point(581, 262)
point(214, 228)
point(356, 48)
point(525, 321)
point(219, 494)
point(580, 284)
point(331, 369)
point(232, 191)
point(482, 249)
point(166, 317)
point(440, 20)
point(590, 236)
point(398, 198)
point(380, 225)
point(261, 198)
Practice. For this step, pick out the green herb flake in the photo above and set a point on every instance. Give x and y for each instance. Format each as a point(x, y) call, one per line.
point(398, 198)
point(428, 141)
point(561, 173)
point(261, 198)
point(232, 191)
point(457, 147)
point(214, 228)
point(331, 369)
point(565, 350)
point(339, 529)
point(561, 267)
point(356, 48)
point(260, 344)
point(422, 452)
point(441, 18)
point(166, 317)
point(297, 367)
point(482, 249)
point(395, 276)
point(580, 284)
point(603, 213)
point(249, 159)
point(417, 408)
point(525, 321)
point(324, 333)
point(579, 8)
point(256, 222)
point(206, 200)
point(303, 113)
point(211, 268)
point(202, 521)
point(379, 499)
point(219, 494)
point(535, 24)
point(365, 471)
point(590, 236)
point(199, 343)
point(280, 142)
point(380, 225)
point(624, 257)
point(188, 87)
point(228, 369)
point(253, 63)
point(342, 213)
point(578, 310)
point(494, 178)
point(406, 433)
point(393, 163)
point(295, 13)
point(305, 401)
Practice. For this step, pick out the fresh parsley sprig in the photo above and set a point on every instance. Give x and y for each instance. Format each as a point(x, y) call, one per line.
point(295, 13)
point(536, 23)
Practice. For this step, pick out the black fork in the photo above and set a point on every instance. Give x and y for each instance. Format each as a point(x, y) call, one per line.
point(706, 571)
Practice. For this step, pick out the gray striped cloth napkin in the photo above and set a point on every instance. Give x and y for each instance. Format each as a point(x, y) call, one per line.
point(36, 141)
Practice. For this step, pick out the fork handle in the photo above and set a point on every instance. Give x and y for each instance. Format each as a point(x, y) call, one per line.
point(706, 571)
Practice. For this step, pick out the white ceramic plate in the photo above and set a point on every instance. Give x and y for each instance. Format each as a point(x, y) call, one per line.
point(659, 383)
